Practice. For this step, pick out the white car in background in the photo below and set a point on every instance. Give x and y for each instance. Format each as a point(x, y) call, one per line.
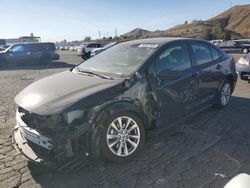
point(239, 181)
point(71, 48)
point(85, 50)
point(98, 50)
point(216, 42)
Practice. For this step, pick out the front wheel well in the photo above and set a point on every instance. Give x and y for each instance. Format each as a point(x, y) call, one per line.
point(117, 107)
point(230, 78)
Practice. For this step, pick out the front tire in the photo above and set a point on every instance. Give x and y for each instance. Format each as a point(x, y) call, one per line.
point(123, 137)
point(224, 95)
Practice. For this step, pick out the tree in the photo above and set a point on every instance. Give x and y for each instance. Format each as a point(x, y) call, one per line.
point(219, 32)
point(206, 34)
point(87, 38)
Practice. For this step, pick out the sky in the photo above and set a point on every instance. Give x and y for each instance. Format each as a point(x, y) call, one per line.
point(75, 19)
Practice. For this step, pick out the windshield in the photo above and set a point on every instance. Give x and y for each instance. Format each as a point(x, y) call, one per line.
point(119, 61)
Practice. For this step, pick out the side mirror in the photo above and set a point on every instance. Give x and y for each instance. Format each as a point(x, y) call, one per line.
point(169, 75)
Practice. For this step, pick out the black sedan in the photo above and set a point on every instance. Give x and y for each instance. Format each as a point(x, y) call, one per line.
point(104, 106)
point(235, 46)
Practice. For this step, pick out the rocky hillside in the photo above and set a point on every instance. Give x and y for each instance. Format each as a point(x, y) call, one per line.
point(137, 33)
point(236, 20)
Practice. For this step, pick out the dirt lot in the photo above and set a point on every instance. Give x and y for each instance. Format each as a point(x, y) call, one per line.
point(196, 153)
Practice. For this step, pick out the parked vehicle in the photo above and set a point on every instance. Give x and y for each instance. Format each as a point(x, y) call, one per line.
point(104, 106)
point(235, 46)
point(29, 52)
point(216, 42)
point(2, 42)
point(243, 67)
point(105, 47)
point(66, 47)
point(61, 47)
point(71, 48)
point(4, 47)
point(85, 50)
point(240, 181)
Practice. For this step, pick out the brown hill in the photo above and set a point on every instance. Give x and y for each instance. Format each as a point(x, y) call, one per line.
point(136, 33)
point(236, 20)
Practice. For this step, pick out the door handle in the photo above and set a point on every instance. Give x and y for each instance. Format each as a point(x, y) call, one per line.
point(218, 67)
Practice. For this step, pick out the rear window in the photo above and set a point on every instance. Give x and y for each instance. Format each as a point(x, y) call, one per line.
point(215, 53)
point(201, 52)
point(49, 46)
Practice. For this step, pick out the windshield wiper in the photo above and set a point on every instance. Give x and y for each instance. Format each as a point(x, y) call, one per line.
point(94, 74)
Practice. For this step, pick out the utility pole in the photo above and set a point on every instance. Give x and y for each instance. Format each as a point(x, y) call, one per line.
point(116, 32)
point(100, 35)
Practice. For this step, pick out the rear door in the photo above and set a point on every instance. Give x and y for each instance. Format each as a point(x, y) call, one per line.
point(174, 82)
point(209, 67)
point(35, 52)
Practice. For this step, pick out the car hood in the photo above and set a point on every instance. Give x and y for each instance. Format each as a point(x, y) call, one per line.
point(66, 91)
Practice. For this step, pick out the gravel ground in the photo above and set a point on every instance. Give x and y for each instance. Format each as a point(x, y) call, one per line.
point(204, 151)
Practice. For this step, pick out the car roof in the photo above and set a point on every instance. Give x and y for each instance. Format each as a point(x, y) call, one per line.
point(32, 43)
point(161, 41)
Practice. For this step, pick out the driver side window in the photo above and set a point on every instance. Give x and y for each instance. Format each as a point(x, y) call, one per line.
point(18, 49)
point(174, 58)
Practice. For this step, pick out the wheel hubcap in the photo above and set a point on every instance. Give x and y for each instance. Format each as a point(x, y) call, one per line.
point(245, 51)
point(123, 136)
point(225, 94)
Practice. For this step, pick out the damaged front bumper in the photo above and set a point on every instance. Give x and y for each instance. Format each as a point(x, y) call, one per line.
point(50, 141)
point(24, 137)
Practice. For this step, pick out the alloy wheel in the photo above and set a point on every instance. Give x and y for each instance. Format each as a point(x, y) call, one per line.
point(225, 94)
point(123, 136)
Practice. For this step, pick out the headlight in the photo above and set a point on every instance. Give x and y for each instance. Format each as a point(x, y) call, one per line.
point(69, 117)
point(243, 61)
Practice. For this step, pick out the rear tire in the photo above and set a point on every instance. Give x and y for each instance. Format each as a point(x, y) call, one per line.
point(123, 137)
point(224, 95)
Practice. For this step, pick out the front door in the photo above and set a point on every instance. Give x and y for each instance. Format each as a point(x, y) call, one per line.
point(174, 83)
point(17, 54)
